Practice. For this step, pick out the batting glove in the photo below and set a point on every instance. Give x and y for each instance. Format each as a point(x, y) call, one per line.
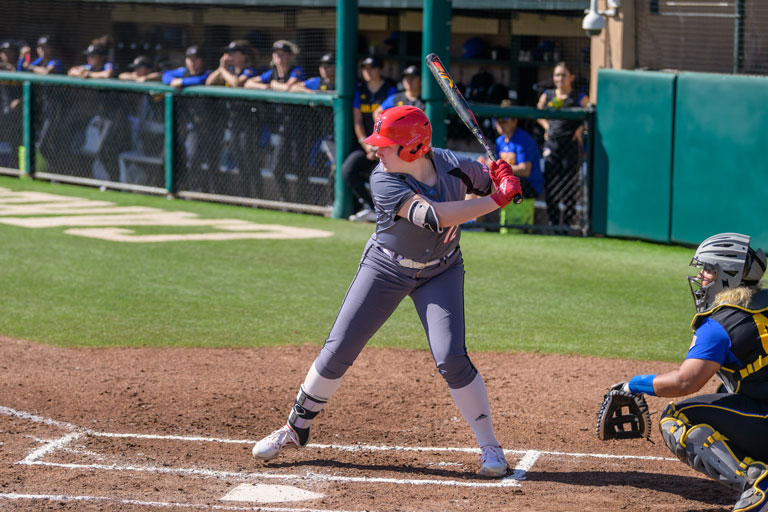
point(499, 170)
point(506, 191)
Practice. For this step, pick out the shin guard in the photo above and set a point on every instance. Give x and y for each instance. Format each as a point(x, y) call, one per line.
point(703, 448)
point(305, 408)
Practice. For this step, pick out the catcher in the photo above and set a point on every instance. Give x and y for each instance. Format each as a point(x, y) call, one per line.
point(723, 435)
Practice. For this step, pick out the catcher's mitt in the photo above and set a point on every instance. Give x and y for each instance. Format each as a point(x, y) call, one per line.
point(623, 415)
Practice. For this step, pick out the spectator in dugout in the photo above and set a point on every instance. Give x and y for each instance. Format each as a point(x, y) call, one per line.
point(142, 70)
point(359, 164)
point(235, 65)
point(410, 95)
point(97, 67)
point(325, 82)
point(9, 56)
point(192, 73)
point(46, 62)
point(282, 74)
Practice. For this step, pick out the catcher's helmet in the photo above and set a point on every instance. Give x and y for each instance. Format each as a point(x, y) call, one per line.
point(732, 261)
point(406, 126)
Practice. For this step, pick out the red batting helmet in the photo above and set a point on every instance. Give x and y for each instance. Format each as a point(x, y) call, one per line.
point(406, 126)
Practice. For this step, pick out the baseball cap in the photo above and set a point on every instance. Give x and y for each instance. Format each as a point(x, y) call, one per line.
point(5, 45)
point(372, 61)
point(412, 71)
point(193, 51)
point(505, 103)
point(141, 61)
point(328, 58)
point(238, 45)
point(284, 45)
point(95, 49)
point(43, 41)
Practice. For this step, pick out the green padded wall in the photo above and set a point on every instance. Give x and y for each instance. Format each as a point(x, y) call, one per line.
point(633, 154)
point(720, 179)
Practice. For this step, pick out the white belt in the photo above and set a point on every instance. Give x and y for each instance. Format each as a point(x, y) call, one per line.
point(409, 263)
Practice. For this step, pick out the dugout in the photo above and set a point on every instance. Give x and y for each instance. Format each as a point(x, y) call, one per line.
point(190, 143)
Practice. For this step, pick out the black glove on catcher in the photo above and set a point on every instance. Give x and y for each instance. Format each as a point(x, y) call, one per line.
point(623, 415)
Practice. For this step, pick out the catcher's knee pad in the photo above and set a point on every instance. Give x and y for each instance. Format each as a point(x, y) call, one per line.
point(458, 371)
point(304, 410)
point(701, 447)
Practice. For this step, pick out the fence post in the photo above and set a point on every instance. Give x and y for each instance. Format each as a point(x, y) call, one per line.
point(436, 38)
point(346, 78)
point(170, 124)
point(28, 163)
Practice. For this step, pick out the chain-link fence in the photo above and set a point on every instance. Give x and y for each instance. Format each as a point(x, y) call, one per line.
point(255, 149)
point(99, 134)
point(706, 35)
point(556, 179)
point(11, 119)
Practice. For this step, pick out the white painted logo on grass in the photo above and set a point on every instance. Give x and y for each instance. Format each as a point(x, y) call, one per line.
point(263, 493)
point(103, 220)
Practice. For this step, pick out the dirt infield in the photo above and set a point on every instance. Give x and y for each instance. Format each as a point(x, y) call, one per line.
point(171, 429)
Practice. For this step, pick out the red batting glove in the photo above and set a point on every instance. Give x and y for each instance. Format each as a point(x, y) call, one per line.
point(507, 190)
point(499, 170)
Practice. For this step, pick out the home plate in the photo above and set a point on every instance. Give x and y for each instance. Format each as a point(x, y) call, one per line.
point(263, 493)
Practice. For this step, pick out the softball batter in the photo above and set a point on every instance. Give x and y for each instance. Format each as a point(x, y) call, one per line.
point(419, 198)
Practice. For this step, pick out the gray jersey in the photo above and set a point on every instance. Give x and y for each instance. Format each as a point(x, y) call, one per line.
point(456, 177)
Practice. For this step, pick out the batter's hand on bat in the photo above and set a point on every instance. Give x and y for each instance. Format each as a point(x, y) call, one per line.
point(499, 170)
point(507, 190)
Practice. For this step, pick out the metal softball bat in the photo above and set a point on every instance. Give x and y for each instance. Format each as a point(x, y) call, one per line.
point(460, 105)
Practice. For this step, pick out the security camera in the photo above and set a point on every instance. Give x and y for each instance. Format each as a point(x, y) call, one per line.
point(593, 23)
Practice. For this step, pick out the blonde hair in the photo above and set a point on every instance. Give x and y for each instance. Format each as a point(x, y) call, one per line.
point(736, 296)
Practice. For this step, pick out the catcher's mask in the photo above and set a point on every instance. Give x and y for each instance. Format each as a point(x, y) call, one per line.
point(406, 126)
point(731, 261)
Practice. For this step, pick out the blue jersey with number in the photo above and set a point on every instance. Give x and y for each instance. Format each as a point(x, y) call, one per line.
point(521, 148)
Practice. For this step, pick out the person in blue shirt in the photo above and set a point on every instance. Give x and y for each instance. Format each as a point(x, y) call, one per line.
point(516, 147)
point(723, 434)
point(410, 95)
point(97, 67)
point(45, 63)
point(234, 65)
point(371, 92)
point(193, 73)
point(326, 81)
point(282, 74)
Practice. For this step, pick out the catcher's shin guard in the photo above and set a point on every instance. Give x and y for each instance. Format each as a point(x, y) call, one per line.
point(305, 408)
point(703, 448)
point(754, 497)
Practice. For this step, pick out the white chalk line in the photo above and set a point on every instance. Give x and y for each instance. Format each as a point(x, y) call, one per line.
point(353, 448)
point(528, 459)
point(163, 504)
point(49, 447)
point(308, 475)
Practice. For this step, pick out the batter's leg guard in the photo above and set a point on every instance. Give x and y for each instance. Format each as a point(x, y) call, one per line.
point(706, 450)
point(305, 408)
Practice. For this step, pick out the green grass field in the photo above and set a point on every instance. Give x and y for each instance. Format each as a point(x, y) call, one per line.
point(591, 296)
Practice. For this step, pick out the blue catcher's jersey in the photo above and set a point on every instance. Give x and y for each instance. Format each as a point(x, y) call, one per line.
point(733, 336)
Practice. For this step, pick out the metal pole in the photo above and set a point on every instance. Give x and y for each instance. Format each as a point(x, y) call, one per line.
point(436, 38)
point(738, 34)
point(28, 164)
point(169, 125)
point(346, 78)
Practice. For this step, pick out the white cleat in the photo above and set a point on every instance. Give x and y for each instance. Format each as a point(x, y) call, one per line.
point(493, 463)
point(270, 446)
